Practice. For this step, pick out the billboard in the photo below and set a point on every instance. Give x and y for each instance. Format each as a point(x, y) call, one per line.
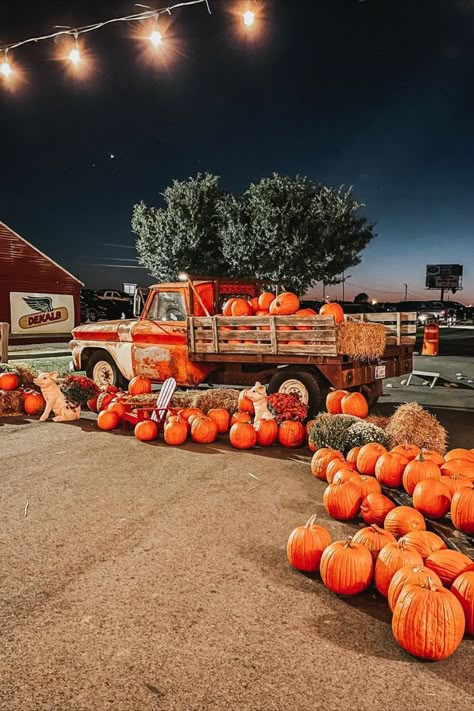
point(444, 276)
point(41, 313)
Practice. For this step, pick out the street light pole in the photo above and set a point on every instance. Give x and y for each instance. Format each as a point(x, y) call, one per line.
point(344, 278)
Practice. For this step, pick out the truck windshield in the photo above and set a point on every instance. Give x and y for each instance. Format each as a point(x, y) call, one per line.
point(167, 306)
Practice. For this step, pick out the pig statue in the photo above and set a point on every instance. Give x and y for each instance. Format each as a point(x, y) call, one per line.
point(64, 410)
point(258, 395)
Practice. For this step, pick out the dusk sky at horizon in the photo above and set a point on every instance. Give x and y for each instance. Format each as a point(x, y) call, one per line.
point(371, 93)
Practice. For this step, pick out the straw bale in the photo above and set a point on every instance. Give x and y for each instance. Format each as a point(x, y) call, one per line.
point(411, 424)
point(360, 340)
point(11, 403)
point(378, 421)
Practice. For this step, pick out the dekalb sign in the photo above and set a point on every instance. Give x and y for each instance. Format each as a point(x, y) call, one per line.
point(41, 313)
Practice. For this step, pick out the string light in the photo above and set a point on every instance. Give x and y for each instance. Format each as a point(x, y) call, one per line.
point(5, 68)
point(75, 54)
point(249, 18)
point(156, 38)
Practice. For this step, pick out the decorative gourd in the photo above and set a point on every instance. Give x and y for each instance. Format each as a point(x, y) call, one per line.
point(146, 431)
point(346, 567)
point(34, 403)
point(334, 400)
point(321, 459)
point(462, 509)
point(221, 417)
point(375, 507)
point(227, 307)
point(463, 590)
point(428, 621)
point(391, 558)
point(448, 564)
point(431, 455)
point(335, 465)
point(267, 432)
point(403, 519)
point(203, 430)
point(355, 404)
point(389, 469)
point(265, 300)
point(352, 455)
point(367, 485)
point(459, 453)
point(9, 381)
point(242, 435)
point(456, 482)
point(107, 420)
point(291, 434)
point(334, 310)
point(245, 404)
point(409, 451)
point(374, 539)
point(240, 417)
point(285, 304)
point(306, 545)
point(139, 386)
point(409, 575)
point(432, 498)
point(416, 471)
point(241, 307)
point(368, 457)
point(342, 500)
point(425, 542)
point(176, 431)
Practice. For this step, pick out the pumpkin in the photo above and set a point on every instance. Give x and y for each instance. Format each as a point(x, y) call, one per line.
point(463, 590)
point(431, 455)
point(291, 434)
point(409, 451)
point(409, 575)
point(305, 313)
point(267, 432)
point(265, 300)
point(462, 509)
point(344, 474)
point(367, 485)
point(352, 455)
point(241, 307)
point(245, 404)
point(448, 564)
point(334, 466)
point(254, 304)
point(416, 471)
point(355, 404)
point(403, 519)
point(9, 381)
point(374, 539)
point(139, 385)
point(240, 417)
point(285, 304)
point(368, 457)
point(456, 482)
point(334, 310)
point(346, 567)
point(227, 307)
point(389, 469)
point(459, 453)
point(306, 545)
point(146, 431)
point(390, 559)
point(428, 621)
point(425, 542)
point(458, 466)
point(187, 412)
point(103, 400)
point(321, 459)
point(242, 435)
point(263, 313)
point(176, 431)
point(334, 400)
point(221, 417)
point(203, 430)
point(342, 500)
point(34, 403)
point(432, 498)
point(107, 420)
point(118, 407)
point(92, 404)
point(375, 507)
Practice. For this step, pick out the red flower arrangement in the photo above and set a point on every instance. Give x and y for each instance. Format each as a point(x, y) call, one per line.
point(78, 389)
point(287, 407)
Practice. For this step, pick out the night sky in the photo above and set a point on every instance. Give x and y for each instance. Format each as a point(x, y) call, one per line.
point(378, 94)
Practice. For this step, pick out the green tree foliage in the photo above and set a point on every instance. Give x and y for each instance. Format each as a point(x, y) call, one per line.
point(183, 236)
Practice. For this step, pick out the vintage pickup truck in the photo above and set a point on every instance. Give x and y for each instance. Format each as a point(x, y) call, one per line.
point(179, 335)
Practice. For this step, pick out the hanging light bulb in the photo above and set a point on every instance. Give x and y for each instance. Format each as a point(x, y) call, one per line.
point(249, 18)
point(156, 38)
point(5, 68)
point(75, 54)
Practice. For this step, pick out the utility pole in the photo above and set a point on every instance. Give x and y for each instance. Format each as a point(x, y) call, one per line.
point(344, 279)
point(406, 292)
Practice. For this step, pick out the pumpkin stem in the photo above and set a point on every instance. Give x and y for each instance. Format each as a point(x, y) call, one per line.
point(402, 544)
point(310, 521)
point(376, 528)
point(348, 543)
point(421, 457)
point(430, 584)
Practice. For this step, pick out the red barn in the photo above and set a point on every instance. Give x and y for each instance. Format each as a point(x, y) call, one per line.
point(38, 298)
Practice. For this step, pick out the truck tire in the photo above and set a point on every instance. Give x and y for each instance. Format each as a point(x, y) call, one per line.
point(301, 382)
point(101, 368)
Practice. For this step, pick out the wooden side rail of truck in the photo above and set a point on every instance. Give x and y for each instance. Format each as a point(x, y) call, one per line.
point(178, 335)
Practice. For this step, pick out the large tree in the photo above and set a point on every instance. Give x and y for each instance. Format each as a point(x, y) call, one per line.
point(184, 235)
point(293, 231)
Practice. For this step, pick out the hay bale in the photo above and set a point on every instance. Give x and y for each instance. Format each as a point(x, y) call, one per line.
point(378, 421)
point(204, 399)
point(11, 403)
point(411, 424)
point(360, 340)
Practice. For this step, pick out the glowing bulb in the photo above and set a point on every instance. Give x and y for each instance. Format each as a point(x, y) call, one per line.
point(5, 68)
point(156, 38)
point(249, 18)
point(75, 55)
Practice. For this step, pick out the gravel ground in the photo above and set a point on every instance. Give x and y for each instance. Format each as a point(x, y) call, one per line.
point(150, 578)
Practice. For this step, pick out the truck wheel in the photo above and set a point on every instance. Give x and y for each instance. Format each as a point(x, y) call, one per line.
point(299, 382)
point(102, 369)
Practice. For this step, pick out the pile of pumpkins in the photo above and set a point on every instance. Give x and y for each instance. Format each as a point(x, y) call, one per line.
point(429, 588)
point(33, 401)
point(182, 423)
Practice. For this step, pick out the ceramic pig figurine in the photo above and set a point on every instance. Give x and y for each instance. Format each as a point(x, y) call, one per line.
point(258, 395)
point(56, 401)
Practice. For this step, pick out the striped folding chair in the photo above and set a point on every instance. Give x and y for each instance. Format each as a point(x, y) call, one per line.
point(138, 414)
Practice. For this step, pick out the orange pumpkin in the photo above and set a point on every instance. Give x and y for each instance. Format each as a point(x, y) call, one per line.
point(334, 400)
point(425, 542)
point(367, 485)
point(146, 431)
point(403, 519)
point(344, 474)
point(203, 430)
point(241, 307)
point(285, 304)
point(221, 417)
point(240, 417)
point(448, 564)
point(291, 434)
point(409, 575)
point(346, 567)
point(391, 558)
point(245, 404)
point(375, 507)
point(409, 451)
point(355, 404)
point(305, 313)
point(107, 420)
point(374, 539)
point(458, 466)
point(456, 482)
point(342, 500)
point(254, 304)
point(321, 459)
point(335, 466)
point(432, 498)
point(92, 404)
point(176, 431)
point(334, 310)
point(459, 453)
point(389, 469)
point(352, 455)
point(9, 381)
point(227, 307)
point(416, 471)
point(431, 455)
point(139, 385)
point(187, 412)
point(118, 407)
point(242, 435)
point(306, 545)
point(462, 509)
point(463, 590)
point(368, 457)
point(267, 432)
point(263, 313)
point(34, 403)
point(265, 300)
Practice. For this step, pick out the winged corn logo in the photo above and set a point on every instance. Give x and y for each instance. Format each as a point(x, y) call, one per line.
point(46, 313)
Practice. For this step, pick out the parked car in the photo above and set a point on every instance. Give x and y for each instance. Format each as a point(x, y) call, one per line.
point(457, 311)
point(425, 310)
point(95, 309)
point(113, 295)
point(92, 310)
